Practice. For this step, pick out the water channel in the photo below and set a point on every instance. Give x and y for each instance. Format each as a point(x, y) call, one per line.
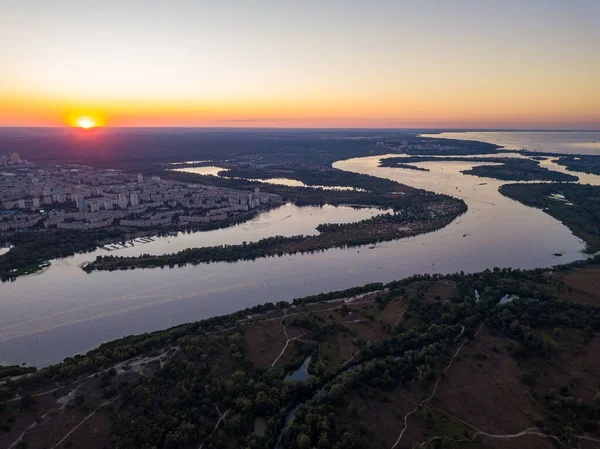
point(63, 311)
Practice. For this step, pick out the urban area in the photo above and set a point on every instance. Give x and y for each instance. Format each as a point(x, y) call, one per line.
point(79, 197)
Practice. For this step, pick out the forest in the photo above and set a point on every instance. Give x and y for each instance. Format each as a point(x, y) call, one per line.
point(32, 249)
point(507, 168)
point(386, 360)
point(310, 153)
point(417, 219)
point(577, 206)
point(126, 147)
point(581, 162)
point(329, 177)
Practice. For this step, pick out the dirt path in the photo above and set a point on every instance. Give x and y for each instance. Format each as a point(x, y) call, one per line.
point(528, 431)
point(351, 358)
point(137, 364)
point(478, 432)
point(222, 416)
point(23, 434)
point(287, 341)
point(104, 404)
point(399, 319)
point(434, 388)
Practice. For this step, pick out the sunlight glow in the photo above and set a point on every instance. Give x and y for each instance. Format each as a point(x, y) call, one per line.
point(85, 122)
point(463, 64)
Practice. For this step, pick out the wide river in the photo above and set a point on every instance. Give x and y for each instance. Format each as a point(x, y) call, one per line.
point(569, 142)
point(63, 311)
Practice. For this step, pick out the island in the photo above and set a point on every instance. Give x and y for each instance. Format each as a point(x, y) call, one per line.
point(575, 205)
point(503, 168)
point(433, 360)
point(56, 209)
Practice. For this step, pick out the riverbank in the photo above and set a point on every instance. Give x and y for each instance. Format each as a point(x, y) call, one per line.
point(574, 205)
point(45, 318)
point(503, 168)
point(416, 220)
point(380, 351)
point(32, 251)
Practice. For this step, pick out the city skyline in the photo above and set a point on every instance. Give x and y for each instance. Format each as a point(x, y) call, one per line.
point(329, 64)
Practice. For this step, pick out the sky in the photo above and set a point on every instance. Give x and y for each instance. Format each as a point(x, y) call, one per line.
point(353, 63)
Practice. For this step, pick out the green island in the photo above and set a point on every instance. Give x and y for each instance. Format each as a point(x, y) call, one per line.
point(433, 361)
point(322, 224)
point(580, 162)
point(412, 362)
point(576, 206)
point(325, 176)
point(584, 163)
point(412, 221)
point(31, 251)
point(508, 169)
point(417, 145)
point(415, 212)
point(410, 167)
point(304, 158)
point(329, 177)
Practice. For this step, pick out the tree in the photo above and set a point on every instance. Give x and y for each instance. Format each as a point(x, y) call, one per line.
point(27, 401)
point(303, 441)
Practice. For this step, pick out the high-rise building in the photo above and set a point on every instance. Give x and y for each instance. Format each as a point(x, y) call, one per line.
point(15, 158)
point(140, 178)
point(122, 201)
point(134, 199)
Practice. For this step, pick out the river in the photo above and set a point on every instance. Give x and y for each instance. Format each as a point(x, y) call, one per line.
point(63, 311)
point(569, 142)
point(214, 171)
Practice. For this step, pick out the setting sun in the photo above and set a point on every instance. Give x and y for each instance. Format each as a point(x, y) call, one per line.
point(86, 122)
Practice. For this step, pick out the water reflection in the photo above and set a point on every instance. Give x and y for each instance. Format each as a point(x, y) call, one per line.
point(214, 171)
point(287, 220)
point(301, 374)
point(295, 183)
point(64, 310)
point(207, 170)
point(572, 142)
point(584, 178)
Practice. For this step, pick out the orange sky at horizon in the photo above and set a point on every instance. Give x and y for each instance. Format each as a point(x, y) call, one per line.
point(493, 64)
point(300, 113)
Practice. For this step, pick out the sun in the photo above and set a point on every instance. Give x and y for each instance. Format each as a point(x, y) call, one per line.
point(86, 122)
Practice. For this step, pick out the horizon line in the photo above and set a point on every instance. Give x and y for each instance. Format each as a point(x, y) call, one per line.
point(435, 129)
